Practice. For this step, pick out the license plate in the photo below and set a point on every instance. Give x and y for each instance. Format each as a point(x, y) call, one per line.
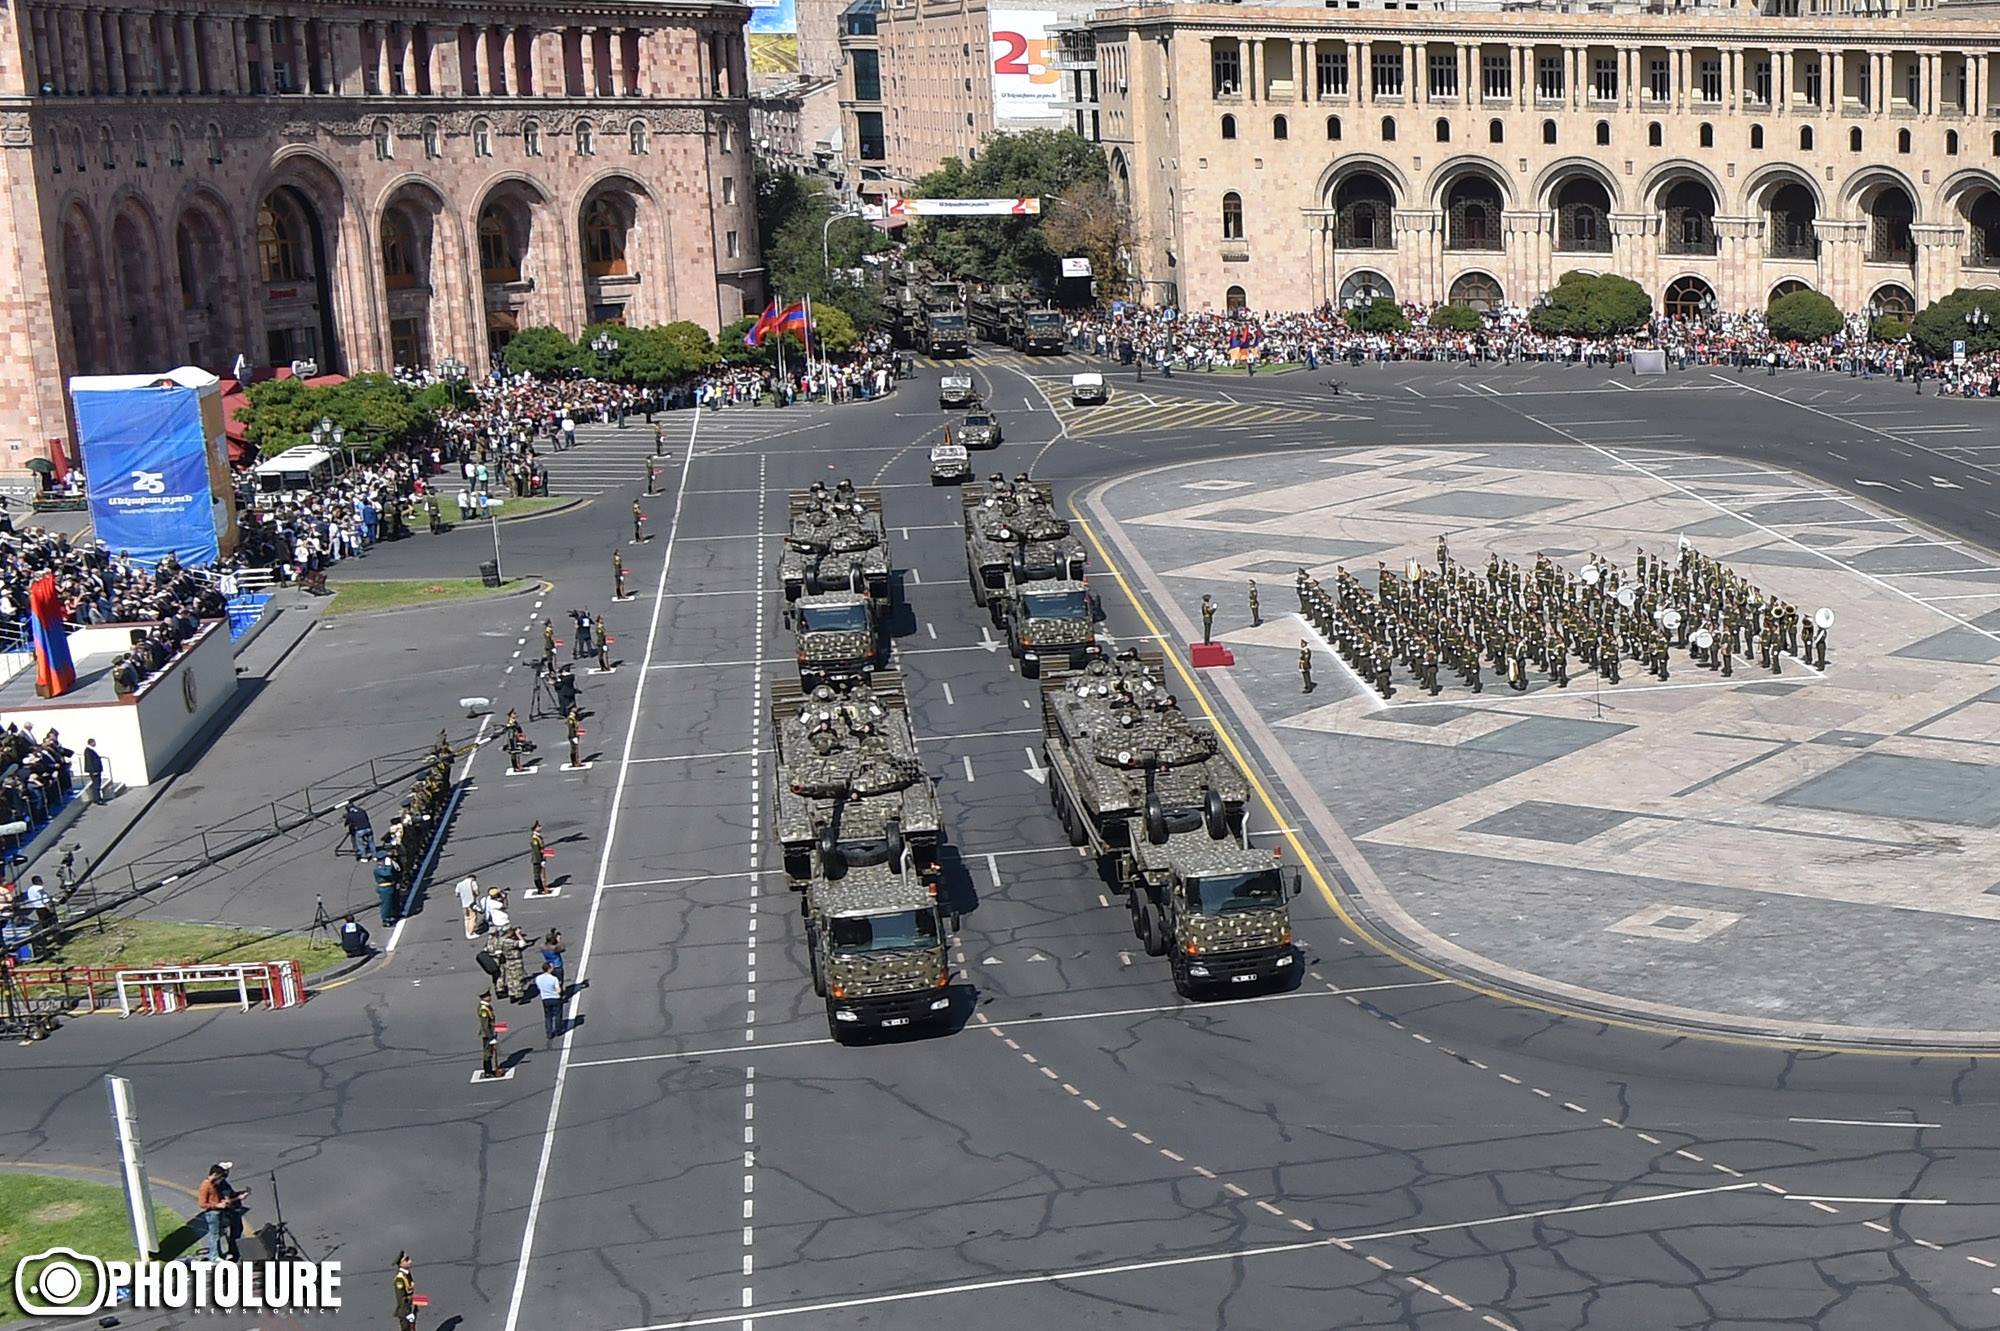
point(896, 1021)
point(1241, 979)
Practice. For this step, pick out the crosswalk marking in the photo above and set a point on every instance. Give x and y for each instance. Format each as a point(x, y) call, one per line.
point(608, 459)
point(1160, 412)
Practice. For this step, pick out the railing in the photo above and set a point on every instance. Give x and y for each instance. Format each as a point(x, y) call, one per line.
point(165, 988)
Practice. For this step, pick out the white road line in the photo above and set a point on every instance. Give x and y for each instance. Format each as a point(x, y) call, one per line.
point(596, 902)
point(993, 871)
point(1869, 1201)
point(949, 700)
point(1157, 1264)
point(967, 758)
point(1865, 1122)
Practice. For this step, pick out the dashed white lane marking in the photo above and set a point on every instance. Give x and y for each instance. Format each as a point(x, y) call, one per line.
point(756, 853)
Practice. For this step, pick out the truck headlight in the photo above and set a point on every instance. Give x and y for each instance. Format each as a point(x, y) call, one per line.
point(939, 1005)
point(1199, 972)
point(842, 1014)
point(1286, 960)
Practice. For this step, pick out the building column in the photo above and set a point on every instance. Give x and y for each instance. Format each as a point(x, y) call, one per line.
point(587, 49)
point(409, 60)
point(1354, 73)
point(1363, 71)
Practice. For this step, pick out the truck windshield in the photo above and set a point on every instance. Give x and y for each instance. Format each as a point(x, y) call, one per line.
point(1055, 605)
point(835, 618)
point(1042, 320)
point(884, 933)
point(1229, 893)
point(949, 323)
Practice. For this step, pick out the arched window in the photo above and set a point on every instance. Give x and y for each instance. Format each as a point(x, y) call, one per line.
point(1806, 139)
point(1232, 216)
point(1472, 214)
point(1583, 217)
point(1477, 291)
point(1854, 139)
point(1707, 135)
point(1756, 138)
point(76, 150)
point(1362, 213)
point(1689, 298)
point(603, 240)
point(482, 139)
point(1951, 143)
point(277, 246)
point(1996, 143)
point(1229, 127)
point(1443, 130)
point(1902, 140)
point(1690, 219)
point(176, 147)
point(397, 271)
point(1654, 136)
point(1604, 133)
point(586, 139)
point(1793, 211)
point(1895, 301)
point(105, 151)
point(531, 138)
point(1496, 132)
point(1236, 298)
point(1984, 220)
point(497, 260)
point(385, 143)
point(637, 134)
point(1333, 129)
point(139, 145)
point(1548, 131)
point(1388, 129)
point(1281, 128)
point(431, 149)
point(1890, 213)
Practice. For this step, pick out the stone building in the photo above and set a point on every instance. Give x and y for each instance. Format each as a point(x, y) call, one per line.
point(1278, 156)
point(357, 185)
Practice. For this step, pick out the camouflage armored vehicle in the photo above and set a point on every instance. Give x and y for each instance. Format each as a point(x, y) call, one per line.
point(1145, 788)
point(836, 636)
point(980, 429)
point(957, 390)
point(875, 941)
point(847, 768)
point(1026, 568)
point(835, 542)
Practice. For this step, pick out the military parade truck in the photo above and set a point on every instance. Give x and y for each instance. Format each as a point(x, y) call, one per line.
point(875, 942)
point(921, 310)
point(835, 542)
point(1144, 787)
point(836, 634)
point(1009, 314)
point(946, 333)
point(1026, 568)
point(847, 760)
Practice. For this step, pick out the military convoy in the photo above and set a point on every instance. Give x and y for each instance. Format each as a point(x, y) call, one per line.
point(835, 542)
point(1146, 790)
point(923, 311)
point(1026, 568)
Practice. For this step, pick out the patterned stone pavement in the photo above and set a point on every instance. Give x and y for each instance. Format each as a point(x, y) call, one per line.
point(1799, 854)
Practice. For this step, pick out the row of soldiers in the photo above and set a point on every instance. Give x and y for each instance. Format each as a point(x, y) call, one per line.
point(1512, 617)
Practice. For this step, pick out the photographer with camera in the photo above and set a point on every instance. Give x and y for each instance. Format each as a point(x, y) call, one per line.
point(222, 1207)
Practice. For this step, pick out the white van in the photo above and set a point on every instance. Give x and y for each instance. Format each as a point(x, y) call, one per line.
point(1088, 388)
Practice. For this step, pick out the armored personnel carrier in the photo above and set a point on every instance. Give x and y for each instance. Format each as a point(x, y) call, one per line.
point(1026, 568)
point(1145, 788)
point(835, 542)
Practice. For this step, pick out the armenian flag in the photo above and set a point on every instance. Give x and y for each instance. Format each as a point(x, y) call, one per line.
point(767, 323)
point(55, 673)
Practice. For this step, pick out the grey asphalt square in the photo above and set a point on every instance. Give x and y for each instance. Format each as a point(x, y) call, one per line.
point(1546, 737)
point(1475, 504)
point(1853, 739)
point(1439, 474)
point(1241, 517)
point(1956, 643)
point(1887, 785)
point(1539, 820)
point(1418, 716)
point(1778, 556)
point(1717, 526)
point(1770, 688)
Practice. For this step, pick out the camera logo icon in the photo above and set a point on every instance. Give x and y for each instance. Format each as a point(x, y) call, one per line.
point(60, 1282)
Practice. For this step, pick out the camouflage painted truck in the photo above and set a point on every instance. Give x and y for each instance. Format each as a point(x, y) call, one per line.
point(837, 634)
point(835, 542)
point(858, 822)
point(1144, 787)
point(1026, 568)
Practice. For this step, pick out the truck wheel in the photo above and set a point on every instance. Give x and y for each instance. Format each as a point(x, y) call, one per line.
point(1213, 814)
point(1155, 933)
point(1184, 984)
point(1073, 824)
point(1156, 821)
point(818, 977)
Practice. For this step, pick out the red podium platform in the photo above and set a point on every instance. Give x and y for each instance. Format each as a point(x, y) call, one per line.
point(1210, 654)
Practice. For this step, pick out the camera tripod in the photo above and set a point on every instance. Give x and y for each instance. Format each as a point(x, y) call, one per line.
point(322, 923)
point(279, 1241)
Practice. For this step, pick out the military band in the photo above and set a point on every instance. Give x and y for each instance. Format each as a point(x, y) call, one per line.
point(1524, 619)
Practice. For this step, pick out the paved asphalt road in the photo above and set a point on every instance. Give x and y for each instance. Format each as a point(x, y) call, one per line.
point(1373, 1148)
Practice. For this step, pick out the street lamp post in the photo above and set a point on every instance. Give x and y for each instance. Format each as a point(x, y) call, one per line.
point(454, 371)
point(606, 347)
point(825, 232)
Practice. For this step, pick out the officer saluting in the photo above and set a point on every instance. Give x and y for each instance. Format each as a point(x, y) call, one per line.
point(1207, 619)
point(489, 1042)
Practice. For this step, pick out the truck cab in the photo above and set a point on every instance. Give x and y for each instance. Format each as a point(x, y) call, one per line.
point(980, 429)
point(1088, 389)
point(875, 941)
point(1216, 910)
point(836, 635)
point(1047, 619)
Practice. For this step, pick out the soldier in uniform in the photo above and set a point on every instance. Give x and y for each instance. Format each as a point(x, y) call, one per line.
point(405, 1283)
point(513, 974)
point(548, 646)
point(1207, 619)
point(489, 1042)
point(603, 645)
point(574, 724)
point(1444, 555)
point(652, 476)
point(537, 844)
point(1256, 613)
point(617, 575)
point(1305, 666)
point(638, 523)
point(435, 514)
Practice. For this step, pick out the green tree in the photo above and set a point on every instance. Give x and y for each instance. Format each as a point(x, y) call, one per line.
point(1455, 318)
point(686, 345)
point(729, 343)
point(1942, 322)
point(1890, 328)
point(1804, 316)
point(541, 351)
point(1581, 305)
point(374, 410)
point(1087, 221)
point(1381, 315)
point(805, 256)
point(1041, 163)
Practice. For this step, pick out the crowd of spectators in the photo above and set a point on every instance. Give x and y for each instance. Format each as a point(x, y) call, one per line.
point(35, 775)
point(1207, 340)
